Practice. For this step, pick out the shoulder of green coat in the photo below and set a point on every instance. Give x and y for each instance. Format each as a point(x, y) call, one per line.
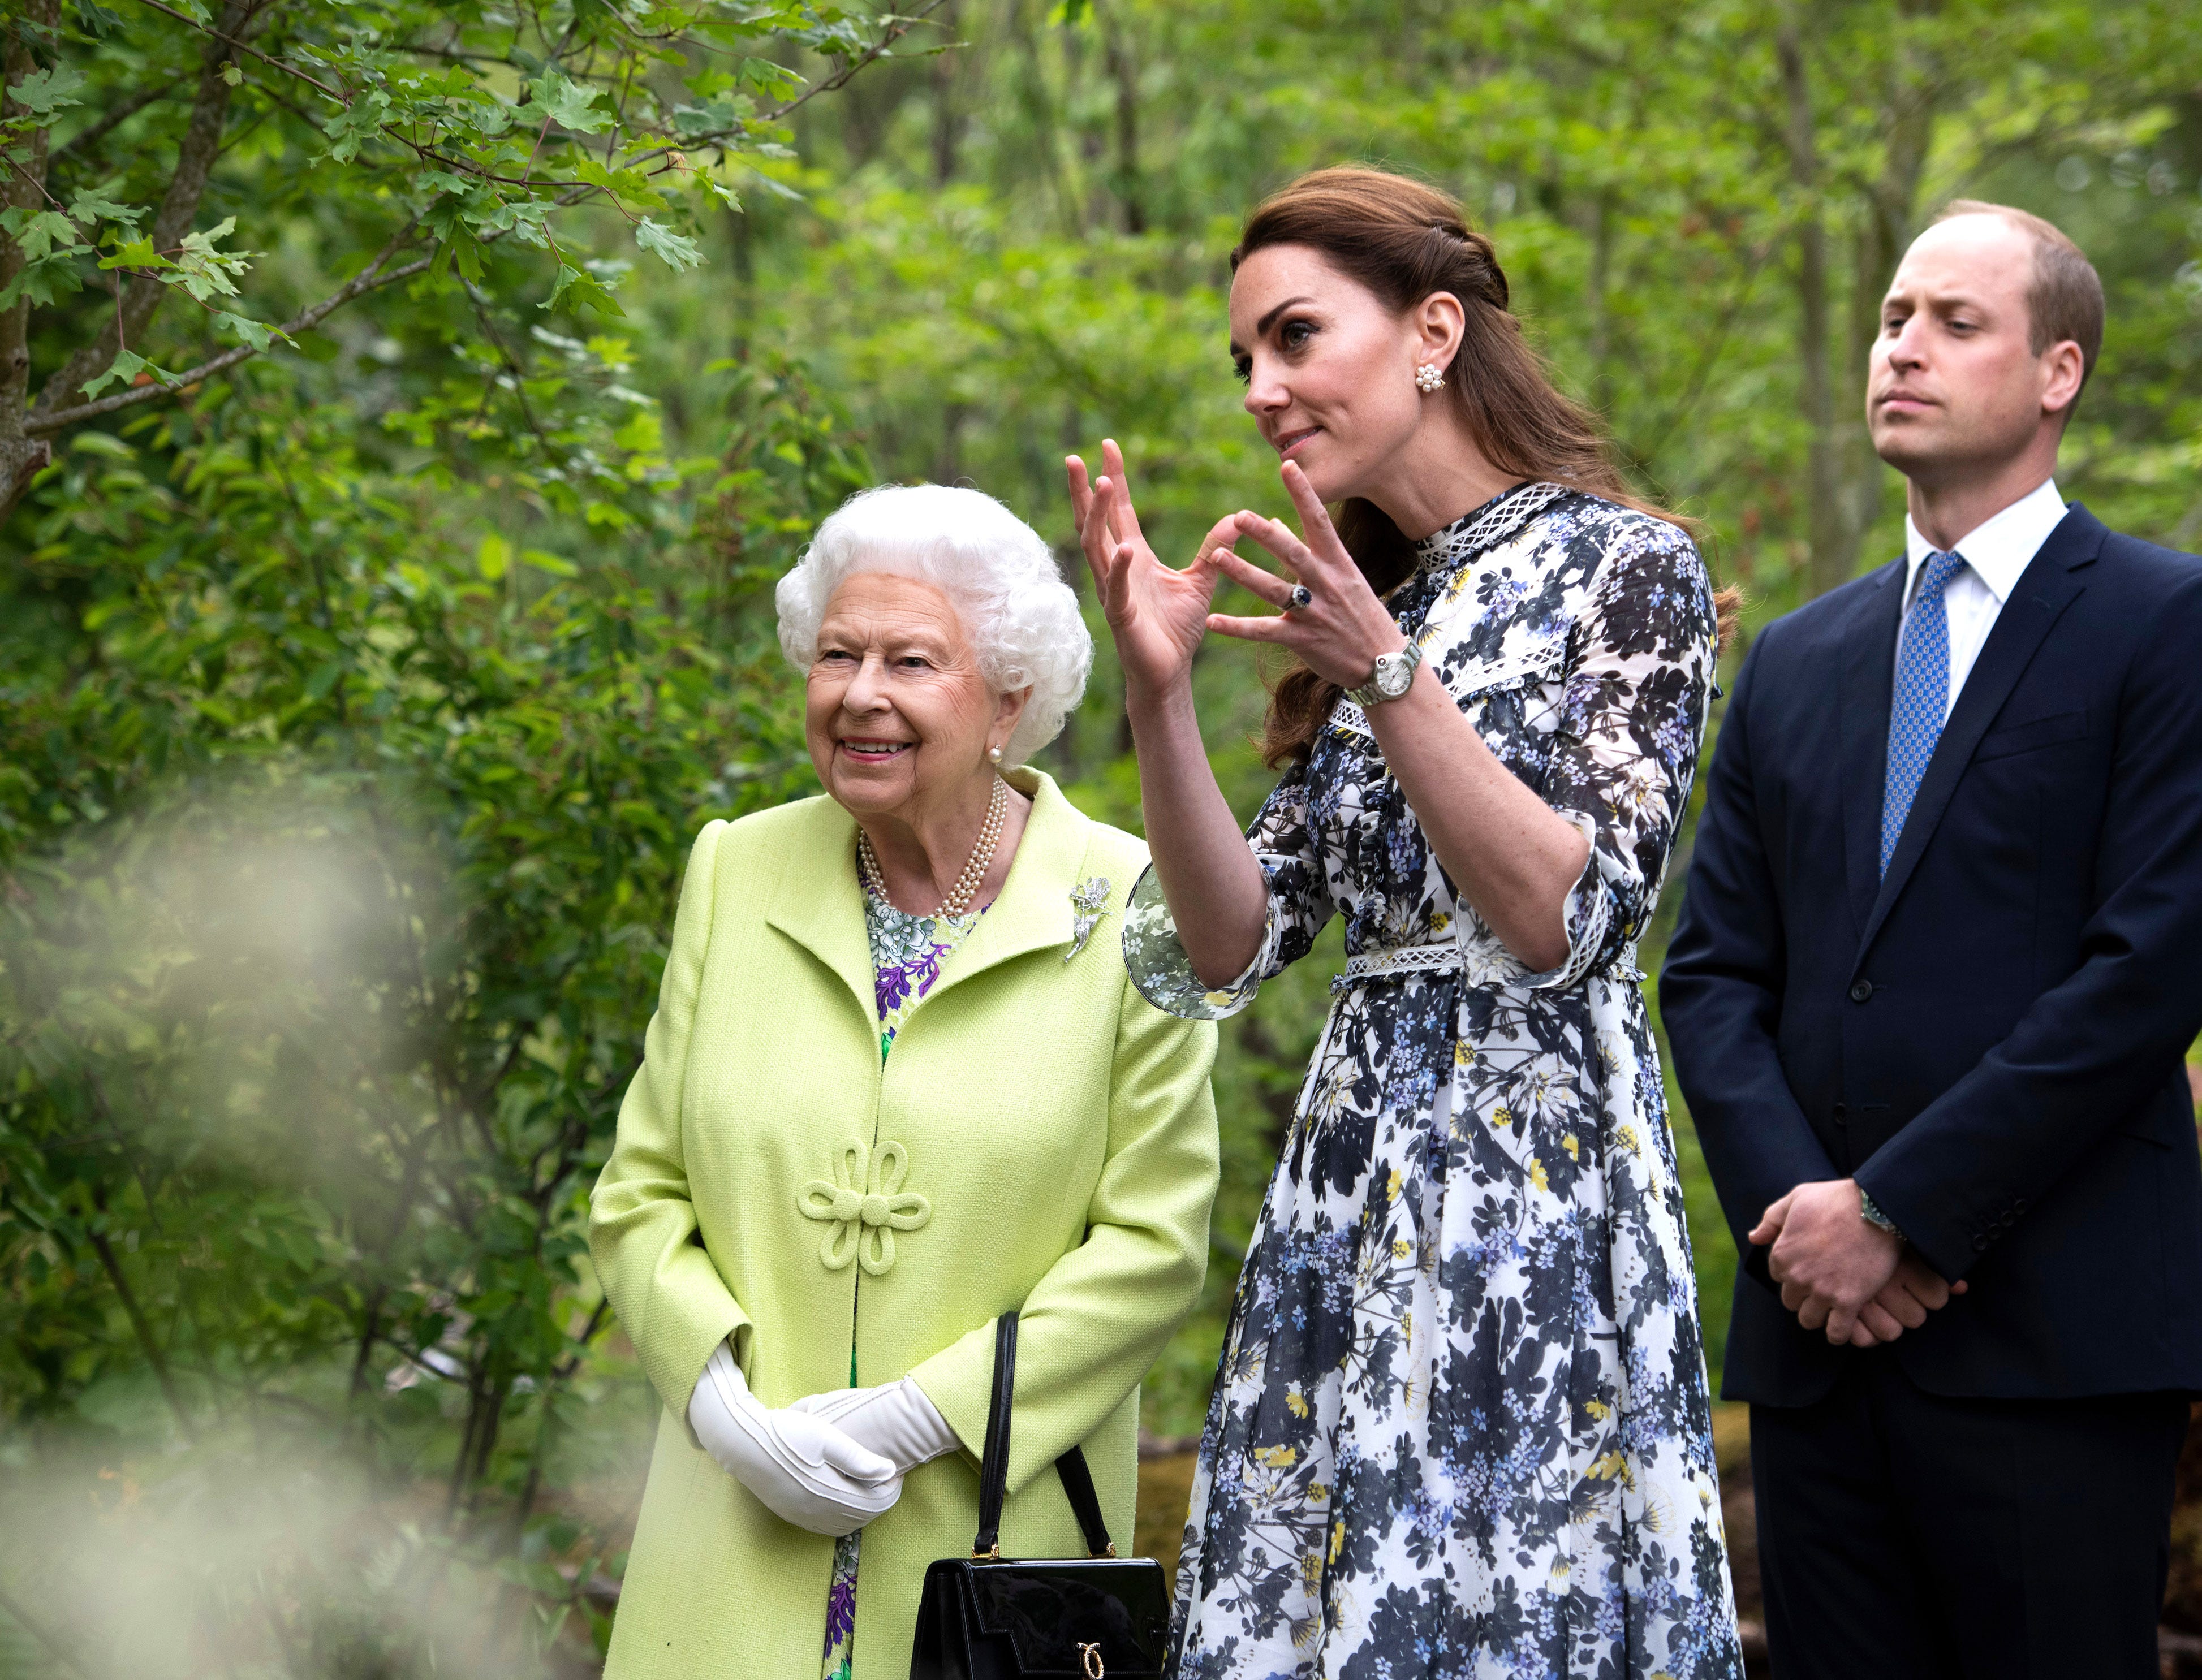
point(755, 848)
point(1118, 856)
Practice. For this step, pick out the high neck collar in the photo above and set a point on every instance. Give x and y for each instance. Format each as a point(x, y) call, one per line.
point(1485, 527)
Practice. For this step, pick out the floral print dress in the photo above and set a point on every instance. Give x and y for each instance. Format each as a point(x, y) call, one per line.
point(1461, 1426)
point(908, 953)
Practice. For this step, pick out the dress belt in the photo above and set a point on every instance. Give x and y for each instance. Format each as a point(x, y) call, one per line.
point(1387, 960)
point(1399, 959)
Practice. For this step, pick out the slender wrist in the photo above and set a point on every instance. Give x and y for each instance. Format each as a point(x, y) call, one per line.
point(1155, 709)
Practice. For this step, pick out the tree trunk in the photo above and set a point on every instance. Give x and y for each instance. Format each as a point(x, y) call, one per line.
point(1124, 71)
point(948, 118)
point(1884, 231)
point(1844, 476)
point(19, 456)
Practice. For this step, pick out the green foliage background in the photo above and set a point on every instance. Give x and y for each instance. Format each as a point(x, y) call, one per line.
point(357, 698)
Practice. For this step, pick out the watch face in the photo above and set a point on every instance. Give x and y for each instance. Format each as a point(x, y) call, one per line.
point(1393, 674)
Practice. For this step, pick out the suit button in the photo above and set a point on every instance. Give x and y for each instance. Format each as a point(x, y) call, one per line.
point(1861, 991)
point(1980, 1245)
point(1842, 1115)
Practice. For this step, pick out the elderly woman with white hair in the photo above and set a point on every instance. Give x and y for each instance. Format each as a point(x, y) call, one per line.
point(898, 1083)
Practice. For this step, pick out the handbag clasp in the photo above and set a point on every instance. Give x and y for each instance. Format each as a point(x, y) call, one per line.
point(1089, 1660)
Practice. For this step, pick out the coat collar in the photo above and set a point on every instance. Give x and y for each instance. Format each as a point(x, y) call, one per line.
point(2052, 580)
point(820, 902)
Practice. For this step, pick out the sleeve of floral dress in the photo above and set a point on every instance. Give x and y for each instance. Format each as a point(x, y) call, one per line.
point(1632, 718)
point(1284, 843)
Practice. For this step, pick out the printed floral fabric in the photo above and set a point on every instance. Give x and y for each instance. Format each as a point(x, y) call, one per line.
point(908, 953)
point(1461, 1426)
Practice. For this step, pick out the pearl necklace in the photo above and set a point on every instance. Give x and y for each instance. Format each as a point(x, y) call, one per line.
point(958, 902)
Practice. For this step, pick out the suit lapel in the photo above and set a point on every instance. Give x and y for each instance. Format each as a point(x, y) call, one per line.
point(1869, 680)
point(2047, 586)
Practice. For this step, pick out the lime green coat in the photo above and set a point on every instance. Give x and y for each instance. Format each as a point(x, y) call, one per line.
point(1059, 1156)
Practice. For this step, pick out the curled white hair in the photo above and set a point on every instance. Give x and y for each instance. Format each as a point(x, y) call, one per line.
point(1022, 619)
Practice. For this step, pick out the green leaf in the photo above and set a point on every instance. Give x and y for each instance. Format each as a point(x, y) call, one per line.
point(127, 366)
point(37, 232)
point(204, 272)
point(91, 204)
point(569, 105)
point(354, 127)
point(254, 334)
point(44, 92)
point(630, 186)
point(43, 283)
point(677, 251)
point(588, 291)
point(135, 253)
point(493, 557)
point(231, 74)
point(553, 563)
point(643, 430)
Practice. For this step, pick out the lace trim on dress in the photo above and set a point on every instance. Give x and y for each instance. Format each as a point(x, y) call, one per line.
point(1486, 526)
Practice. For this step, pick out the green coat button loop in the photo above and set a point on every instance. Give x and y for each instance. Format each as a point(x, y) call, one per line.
point(866, 1205)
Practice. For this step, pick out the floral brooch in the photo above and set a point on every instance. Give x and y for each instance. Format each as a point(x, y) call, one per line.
point(1089, 902)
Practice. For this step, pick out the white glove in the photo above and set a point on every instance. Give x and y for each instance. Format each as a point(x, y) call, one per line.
point(897, 1421)
point(806, 1470)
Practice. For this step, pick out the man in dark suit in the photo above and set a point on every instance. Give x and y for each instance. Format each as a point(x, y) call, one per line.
point(1938, 962)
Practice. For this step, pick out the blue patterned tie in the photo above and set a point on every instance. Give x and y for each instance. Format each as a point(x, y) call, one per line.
point(1922, 696)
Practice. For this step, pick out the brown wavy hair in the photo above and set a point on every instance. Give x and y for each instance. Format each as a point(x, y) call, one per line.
point(1404, 240)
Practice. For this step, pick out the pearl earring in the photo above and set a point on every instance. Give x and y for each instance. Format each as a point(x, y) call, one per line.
point(994, 754)
point(1427, 379)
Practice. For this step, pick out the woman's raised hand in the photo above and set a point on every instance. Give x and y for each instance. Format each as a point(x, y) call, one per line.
point(1344, 626)
point(1158, 616)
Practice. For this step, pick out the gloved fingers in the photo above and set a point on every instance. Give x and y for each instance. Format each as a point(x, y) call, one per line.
point(834, 1404)
point(899, 1424)
point(853, 1460)
point(847, 1518)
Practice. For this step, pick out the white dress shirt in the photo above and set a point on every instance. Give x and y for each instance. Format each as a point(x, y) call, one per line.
point(1995, 553)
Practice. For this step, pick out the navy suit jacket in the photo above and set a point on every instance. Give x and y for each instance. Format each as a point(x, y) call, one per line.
point(1990, 1039)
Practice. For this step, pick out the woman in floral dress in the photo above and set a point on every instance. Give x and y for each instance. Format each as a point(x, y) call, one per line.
point(1461, 1426)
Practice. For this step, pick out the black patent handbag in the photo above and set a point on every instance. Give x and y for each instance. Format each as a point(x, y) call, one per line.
point(991, 1617)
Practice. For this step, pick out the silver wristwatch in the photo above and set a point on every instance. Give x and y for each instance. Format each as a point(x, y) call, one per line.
point(1391, 677)
point(1869, 1211)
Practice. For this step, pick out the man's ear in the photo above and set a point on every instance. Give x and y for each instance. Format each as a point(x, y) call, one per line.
point(2064, 369)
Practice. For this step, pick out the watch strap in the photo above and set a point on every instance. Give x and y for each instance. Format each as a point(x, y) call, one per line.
point(1869, 1211)
point(1370, 693)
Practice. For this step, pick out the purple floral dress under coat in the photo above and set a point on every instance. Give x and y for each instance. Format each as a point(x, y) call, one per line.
point(908, 953)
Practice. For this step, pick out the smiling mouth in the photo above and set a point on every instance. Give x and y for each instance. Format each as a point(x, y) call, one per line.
point(873, 752)
point(1292, 440)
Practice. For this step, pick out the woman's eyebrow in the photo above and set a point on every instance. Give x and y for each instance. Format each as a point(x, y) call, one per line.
point(1262, 326)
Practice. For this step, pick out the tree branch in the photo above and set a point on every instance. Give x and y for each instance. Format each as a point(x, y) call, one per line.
point(41, 425)
point(151, 1349)
point(179, 206)
point(90, 136)
point(21, 188)
point(228, 39)
point(900, 26)
point(63, 1651)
